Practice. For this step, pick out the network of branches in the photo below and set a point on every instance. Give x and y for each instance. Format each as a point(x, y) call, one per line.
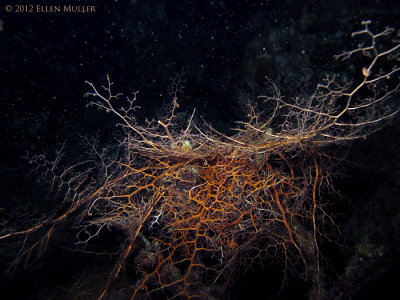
point(200, 202)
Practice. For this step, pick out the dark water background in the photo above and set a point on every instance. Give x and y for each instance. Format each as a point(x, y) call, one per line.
point(223, 49)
